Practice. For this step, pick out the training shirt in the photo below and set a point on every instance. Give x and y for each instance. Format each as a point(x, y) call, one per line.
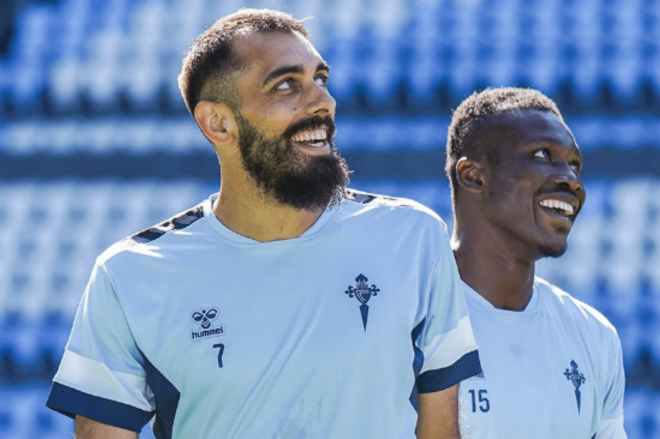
point(553, 370)
point(321, 336)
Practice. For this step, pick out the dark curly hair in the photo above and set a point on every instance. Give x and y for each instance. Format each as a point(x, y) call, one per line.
point(477, 115)
point(210, 67)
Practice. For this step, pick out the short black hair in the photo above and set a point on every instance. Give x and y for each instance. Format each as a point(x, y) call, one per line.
point(210, 65)
point(476, 115)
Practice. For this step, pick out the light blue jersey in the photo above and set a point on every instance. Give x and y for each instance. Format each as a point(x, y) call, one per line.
point(553, 370)
point(321, 336)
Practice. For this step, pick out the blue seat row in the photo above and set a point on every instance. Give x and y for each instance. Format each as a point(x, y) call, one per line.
point(124, 55)
point(140, 135)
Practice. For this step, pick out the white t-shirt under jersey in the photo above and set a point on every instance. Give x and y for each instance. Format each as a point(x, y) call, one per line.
point(551, 371)
point(321, 336)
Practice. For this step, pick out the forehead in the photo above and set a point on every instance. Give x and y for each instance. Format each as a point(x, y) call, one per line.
point(262, 52)
point(532, 126)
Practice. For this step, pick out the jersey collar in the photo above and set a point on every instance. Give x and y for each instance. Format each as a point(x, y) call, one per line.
point(238, 239)
point(477, 299)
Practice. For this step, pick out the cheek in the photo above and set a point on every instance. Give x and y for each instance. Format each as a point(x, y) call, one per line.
point(275, 122)
point(270, 123)
point(513, 199)
point(511, 189)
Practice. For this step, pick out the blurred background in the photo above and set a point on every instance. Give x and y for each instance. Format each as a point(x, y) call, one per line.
point(95, 144)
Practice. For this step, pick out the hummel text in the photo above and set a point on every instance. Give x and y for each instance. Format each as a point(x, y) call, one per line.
point(213, 332)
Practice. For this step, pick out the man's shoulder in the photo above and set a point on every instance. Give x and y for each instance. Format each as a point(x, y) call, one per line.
point(381, 204)
point(576, 310)
point(156, 233)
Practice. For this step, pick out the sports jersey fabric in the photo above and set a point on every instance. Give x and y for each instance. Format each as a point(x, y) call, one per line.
point(553, 370)
point(321, 336)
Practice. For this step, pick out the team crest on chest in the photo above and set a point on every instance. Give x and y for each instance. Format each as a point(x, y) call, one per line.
point(577, 378)
point(363, 292)
point(206, 326)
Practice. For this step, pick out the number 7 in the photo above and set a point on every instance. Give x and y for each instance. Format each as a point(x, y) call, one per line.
point(220, 352)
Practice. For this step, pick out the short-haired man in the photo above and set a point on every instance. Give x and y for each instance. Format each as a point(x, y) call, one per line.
point(286, 306)
point(552, 365)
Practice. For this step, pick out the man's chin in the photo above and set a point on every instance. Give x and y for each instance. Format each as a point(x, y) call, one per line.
point(553, 251)
point(319, 183)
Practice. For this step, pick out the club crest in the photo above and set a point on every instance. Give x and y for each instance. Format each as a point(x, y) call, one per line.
point(363, 292)
point(577, 378)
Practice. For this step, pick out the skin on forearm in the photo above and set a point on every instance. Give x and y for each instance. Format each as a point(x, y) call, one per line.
point(438, 415)
point(89, 429)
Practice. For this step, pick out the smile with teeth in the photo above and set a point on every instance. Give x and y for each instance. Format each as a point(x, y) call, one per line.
point(316, 137)
point(561, 207)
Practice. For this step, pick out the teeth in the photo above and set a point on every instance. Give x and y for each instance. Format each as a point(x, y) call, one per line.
point(558, 205)
point(307, 136)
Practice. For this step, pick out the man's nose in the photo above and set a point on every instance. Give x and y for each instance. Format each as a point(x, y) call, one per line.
point(320, 101)
point(568, 178)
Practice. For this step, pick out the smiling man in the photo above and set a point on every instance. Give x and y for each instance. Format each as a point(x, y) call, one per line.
point(286, 306)
point(552, 365)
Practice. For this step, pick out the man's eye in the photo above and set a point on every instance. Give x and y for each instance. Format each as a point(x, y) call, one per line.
point(322, 80)
point(542, 154)
point(284, 85)
point(575, 166)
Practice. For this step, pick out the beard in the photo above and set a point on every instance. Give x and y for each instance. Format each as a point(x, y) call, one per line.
point(288, 176)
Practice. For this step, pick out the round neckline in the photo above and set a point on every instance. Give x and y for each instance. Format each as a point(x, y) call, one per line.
point(238, 239)
point(482, 302)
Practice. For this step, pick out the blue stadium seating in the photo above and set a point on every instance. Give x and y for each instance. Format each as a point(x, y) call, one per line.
point(98, 77)
point(100, 51)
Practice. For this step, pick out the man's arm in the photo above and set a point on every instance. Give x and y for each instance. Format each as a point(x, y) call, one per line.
point(438, 414)
point(89, 429)
point(102, 373)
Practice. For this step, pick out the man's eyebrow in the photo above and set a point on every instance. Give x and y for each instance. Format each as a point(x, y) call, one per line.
point(297, 69)
point(543, 141)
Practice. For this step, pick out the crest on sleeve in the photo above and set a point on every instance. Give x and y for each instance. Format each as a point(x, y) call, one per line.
point(577, 378)
point(363, 292)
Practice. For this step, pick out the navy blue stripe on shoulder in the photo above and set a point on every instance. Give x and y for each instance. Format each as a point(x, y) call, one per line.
point(439, 379)
point(72, 402)
point(367, 198)
point(177, 222)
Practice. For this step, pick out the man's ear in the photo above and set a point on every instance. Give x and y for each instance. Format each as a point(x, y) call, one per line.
point(470, 175)
point(217, 122)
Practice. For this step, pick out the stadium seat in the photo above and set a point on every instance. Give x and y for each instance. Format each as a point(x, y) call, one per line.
point(98, 77)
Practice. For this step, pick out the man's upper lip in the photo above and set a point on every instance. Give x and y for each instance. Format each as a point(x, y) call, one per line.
point(566, 197)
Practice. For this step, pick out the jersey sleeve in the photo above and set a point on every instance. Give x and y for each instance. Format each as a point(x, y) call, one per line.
point(102, 375)
point(610, 425)
point(444, 342)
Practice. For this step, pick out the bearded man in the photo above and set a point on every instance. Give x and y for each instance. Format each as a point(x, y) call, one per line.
point(286, 306)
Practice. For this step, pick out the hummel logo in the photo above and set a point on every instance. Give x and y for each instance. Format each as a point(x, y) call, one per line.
point(204, 317)
point(363, 292)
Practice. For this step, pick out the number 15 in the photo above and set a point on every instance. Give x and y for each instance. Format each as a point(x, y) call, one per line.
point(484, 403)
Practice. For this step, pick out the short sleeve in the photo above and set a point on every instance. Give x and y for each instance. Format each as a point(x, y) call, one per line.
point(444, 339)
point(610, 425)
point(101, 375)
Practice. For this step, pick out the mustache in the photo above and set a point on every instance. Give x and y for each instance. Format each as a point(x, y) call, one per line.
point(310, 123)
point(556, 189)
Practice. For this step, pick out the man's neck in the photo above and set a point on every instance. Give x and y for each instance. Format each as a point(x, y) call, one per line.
point(494, 270)
point(249, 213)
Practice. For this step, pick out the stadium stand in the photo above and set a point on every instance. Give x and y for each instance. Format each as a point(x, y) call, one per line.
point(87, 82)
